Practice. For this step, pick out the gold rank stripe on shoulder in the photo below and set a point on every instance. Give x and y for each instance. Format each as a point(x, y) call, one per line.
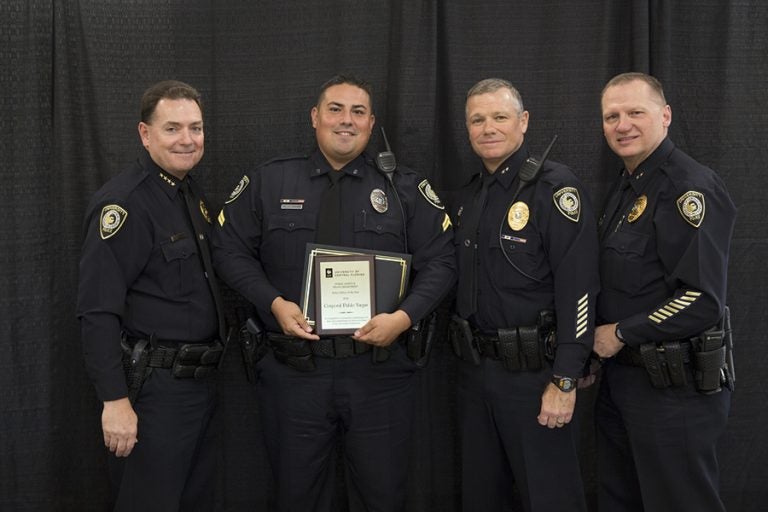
point(221, 218)
point(674, 306)
point(446, 223)
point(582, 315)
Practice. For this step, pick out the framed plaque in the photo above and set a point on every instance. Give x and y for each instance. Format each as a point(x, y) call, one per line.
point(391, 276)
point(345, 293)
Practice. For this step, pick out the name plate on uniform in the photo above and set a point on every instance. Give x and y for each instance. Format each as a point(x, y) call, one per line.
point(390, 274)
point(345, 293)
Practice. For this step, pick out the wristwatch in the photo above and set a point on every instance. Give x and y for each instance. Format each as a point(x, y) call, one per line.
point(618, 334)
point(565, 384)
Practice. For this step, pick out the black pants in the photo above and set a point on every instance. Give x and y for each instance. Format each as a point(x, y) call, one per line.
point(503, 444)
point(172, 467)
point(370, 405)
point(657, 447)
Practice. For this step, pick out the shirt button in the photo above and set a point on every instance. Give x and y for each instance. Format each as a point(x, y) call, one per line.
point(291, 224)
point(467, 242)
point(378, 227)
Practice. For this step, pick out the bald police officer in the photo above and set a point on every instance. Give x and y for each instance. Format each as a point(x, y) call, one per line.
point(527, 276)
point(314, 388)
point(665, 237)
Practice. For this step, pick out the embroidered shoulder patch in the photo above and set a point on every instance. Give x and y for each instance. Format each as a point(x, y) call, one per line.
point(426, 190)
point(568, 203)
point(112, 219)
point(238, 189)
point(691, 207)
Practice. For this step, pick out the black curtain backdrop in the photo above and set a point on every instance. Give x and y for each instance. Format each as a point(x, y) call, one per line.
point(71, 78)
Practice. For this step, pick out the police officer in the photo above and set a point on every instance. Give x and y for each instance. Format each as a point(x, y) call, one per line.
point(314, 388)
point(665, 238)
point(144, 295)
point(527, 270)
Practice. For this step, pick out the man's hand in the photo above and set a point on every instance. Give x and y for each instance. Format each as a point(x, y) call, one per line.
point(606, 343)
point(556, 407)
point(119, 424)
point(384, 328)
point(291, 319)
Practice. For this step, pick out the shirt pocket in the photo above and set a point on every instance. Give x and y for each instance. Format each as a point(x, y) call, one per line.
point(286, 239)
point(622, 263)
point(510, 260)
point(378, 232)
point(181, 261)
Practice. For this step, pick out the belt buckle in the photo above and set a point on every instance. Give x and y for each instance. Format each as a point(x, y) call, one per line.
point(343, 346)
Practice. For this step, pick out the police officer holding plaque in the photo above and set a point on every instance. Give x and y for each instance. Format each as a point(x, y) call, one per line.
point(314, 387)
point(527, 250)
point(664, 242)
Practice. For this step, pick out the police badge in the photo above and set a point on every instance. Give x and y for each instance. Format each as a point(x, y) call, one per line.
point(238, 189)
point(691, 207)
point(112, 219)
point(379, 200)
point(204, 211)
point(568, 203)
point(517, 216)
point(638, 208)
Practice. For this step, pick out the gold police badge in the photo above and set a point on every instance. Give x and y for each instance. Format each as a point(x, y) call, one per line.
point(638, 208)
point(568, 203)
point(112, 219)
point(204, 211)
point(238, 189)
point(691, 207)
point(517, 216)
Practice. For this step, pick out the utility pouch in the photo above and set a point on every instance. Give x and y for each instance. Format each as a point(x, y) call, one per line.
point(252, 346)
point(196, 360)
point(530, 346)
point(293, 352)
point(509, 350)
point(709, 361)
point(420, 340)
point(665, 363)
point(460, 334)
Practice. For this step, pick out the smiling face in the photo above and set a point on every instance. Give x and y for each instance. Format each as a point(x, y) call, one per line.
point(174, 136)
point(343, 122)
point(635, 121)
point(495, 125)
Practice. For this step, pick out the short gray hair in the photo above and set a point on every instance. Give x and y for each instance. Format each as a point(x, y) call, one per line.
point(493, 85)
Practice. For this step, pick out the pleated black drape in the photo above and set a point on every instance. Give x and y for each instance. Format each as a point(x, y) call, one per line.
point(71, 78)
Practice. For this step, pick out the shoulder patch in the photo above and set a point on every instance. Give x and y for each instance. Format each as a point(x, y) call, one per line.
point(691, 207)
point(426, 190)
point(111, 220)
point(238, 189)
point(568, 203)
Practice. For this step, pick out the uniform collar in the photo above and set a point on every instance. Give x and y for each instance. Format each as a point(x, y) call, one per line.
point(506, 172)
point(646, 169)
point(320, 165)
point(167, 182)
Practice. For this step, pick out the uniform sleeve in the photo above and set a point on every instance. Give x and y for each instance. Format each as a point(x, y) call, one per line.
point(694, 253)
point(109, 263)
point(236, 241)
point(430, 241)
point(572, 248)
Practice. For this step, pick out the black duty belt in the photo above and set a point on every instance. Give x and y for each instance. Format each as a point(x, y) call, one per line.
point(163, 352)
point(631, 356)
point(338, 347)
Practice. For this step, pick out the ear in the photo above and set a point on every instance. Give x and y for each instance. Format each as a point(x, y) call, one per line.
point(313, 116)
point(666, 118)
point(144, 133)
point(373, 122)
point(524, 121)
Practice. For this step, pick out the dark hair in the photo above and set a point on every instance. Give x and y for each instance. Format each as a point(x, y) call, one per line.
point(625, 78)
point(346, 79)
point(167, 89)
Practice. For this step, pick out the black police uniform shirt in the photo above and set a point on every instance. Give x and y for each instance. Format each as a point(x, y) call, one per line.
point(550, 234)
point(140, 272)
point(664, 251)
point(262, 231)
